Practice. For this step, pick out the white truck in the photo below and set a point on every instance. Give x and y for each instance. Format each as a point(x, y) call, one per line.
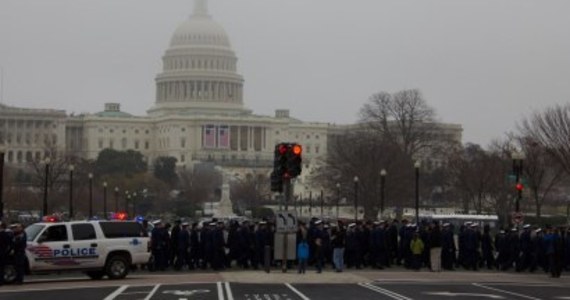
point(97, 248)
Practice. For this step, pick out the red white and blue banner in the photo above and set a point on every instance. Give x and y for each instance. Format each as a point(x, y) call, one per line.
point(224, 137)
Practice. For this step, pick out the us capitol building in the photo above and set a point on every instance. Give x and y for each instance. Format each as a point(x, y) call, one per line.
point(199, 114)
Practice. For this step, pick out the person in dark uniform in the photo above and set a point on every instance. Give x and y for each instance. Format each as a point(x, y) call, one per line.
point(194, 247)
point(183, 246)
point(6, 246)
point(447, 248)
point(393, 241)
point(262, 239)
point(318, 240)
point(327, 248)
point(235, 252)
point(487, 248)
point(157, 246)
point(174, 242)
point(402, 246)
point(20, 243)
point(245, 245)
point(352, 247)
point(219, 255)
point(525, 248)
point(338, 244)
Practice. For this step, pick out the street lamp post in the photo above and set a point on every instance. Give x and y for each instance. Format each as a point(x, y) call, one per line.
point(2, 153)
point(127, 197)
point(105, 200)
point(134, 204)
point(417, 167)
point(383, 174)
point(518, 158)
point(90, 195)
point(337, 198)
point(71, 169)
point(45, 202)
point(116, 199)
point(355, 198)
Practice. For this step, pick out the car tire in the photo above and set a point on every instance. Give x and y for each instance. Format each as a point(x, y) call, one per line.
point(95, 275)
point(9, 273)
point(117, 267)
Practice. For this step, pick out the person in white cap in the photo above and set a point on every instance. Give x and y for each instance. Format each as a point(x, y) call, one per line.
point(159, 241)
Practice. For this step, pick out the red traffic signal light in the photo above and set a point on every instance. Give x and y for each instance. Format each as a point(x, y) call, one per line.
point(519, 187)
point(297, 149)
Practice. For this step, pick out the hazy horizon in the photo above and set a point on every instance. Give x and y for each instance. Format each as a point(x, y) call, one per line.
point(482, 64)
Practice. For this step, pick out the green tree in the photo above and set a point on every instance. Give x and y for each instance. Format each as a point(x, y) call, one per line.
point(113, 162)
point(165, 169)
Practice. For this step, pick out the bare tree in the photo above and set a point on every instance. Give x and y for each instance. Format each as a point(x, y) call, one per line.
point(403, 118)
point(551, 129)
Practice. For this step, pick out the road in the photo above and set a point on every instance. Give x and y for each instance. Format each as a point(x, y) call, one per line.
point(330, 286)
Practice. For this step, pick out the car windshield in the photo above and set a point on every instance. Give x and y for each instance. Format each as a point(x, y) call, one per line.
point(32, 231)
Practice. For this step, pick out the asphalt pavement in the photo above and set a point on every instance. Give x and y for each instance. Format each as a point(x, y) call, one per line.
point(286, 291)
point(257, 285)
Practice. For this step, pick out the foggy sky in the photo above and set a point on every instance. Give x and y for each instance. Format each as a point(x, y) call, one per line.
point(484, 64)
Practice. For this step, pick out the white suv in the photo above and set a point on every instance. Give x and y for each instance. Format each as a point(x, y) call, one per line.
point(98, 248)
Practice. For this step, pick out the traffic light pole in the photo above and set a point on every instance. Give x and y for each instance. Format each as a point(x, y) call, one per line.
point(286, 198)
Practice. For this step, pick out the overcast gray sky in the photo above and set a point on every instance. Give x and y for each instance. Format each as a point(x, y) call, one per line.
point(481, 63)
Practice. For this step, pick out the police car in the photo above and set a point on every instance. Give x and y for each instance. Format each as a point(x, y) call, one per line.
point(97, 248)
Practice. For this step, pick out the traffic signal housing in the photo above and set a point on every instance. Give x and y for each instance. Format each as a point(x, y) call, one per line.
point(287, 164)
point(519, 187)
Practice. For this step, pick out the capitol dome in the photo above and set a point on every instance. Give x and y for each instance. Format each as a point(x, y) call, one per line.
point(199, 73)
point(200, 31)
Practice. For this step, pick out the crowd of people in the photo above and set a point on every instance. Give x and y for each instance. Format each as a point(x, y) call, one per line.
point(357, 245)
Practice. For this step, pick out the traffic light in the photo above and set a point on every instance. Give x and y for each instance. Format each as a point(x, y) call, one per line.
point(519, 187)
point(294, 160)
point(287, 164)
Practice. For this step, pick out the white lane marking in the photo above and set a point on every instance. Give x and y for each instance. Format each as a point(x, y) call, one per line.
point(152, 292)
point(117, 292)
point(229, 291)
point(385, 292)
point(296, 291)
point(220, 291)
point(450, 294)
point(505, 292)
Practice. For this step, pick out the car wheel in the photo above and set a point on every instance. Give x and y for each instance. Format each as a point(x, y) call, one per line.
point(95, 275)
point(9, 274)
point(117, 267)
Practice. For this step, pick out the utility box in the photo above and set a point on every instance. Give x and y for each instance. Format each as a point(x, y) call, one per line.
point(291, 246)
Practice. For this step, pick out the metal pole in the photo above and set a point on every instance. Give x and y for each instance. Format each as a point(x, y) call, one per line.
point(90, 195)
point(356, 200)
point(116, 199)
point(519, 175)
point(310, 204)
point(1, 184)
point(287, 198)
point(322, 203)
point(71, 192)
point(105, 200)
point(45, 202)
point(382, 187)
point(417, 194)
point(337, 201)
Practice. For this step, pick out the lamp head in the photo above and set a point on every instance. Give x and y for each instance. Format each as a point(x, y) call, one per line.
point(90, 175)
point(356, 179)
point(71, 168)
point(383, 172)
point(417, 164)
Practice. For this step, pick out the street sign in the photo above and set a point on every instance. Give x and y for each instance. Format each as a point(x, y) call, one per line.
point(517, 218)
point(286, 221)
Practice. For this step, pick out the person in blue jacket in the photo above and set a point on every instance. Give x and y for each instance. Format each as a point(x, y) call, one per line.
point(302, 256)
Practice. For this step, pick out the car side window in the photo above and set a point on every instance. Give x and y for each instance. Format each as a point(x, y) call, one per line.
point(56, 233)
point(82, 232)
